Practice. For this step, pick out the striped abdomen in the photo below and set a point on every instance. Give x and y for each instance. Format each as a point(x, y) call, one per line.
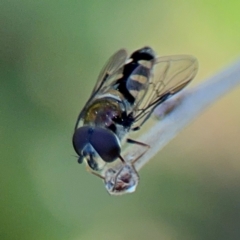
point(136, 74)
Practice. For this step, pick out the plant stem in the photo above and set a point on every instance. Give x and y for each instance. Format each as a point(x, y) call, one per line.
point(185, 107)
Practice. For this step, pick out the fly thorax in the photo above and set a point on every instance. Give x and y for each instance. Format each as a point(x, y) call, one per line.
point(103, 112)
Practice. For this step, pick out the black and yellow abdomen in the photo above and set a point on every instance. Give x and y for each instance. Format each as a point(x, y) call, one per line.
point(136, 75)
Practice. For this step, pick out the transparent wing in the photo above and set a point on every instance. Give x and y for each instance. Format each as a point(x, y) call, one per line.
point(170, 75)
point(107, 76)
point(112, 67)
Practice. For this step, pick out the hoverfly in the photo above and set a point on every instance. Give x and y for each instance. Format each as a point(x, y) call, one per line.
point(127, 91)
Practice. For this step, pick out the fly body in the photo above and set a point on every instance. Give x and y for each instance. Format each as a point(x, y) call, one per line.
point(127, 91)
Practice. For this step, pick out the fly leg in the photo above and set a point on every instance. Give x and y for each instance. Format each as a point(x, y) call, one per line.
point(129, 140)
point(94, 173)
point(121, 158)
point(141, 144)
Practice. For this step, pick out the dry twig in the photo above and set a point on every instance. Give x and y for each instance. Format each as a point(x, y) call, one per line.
point(188, 104)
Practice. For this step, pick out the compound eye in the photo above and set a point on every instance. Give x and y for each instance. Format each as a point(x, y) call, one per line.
point(106, 144)
point(80, 139)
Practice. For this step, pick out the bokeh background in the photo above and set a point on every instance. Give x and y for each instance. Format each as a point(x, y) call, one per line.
point(50, 55)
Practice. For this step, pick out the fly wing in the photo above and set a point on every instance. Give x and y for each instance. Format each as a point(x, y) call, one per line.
point(109, 74)
point(170, 75)
point(112, 67)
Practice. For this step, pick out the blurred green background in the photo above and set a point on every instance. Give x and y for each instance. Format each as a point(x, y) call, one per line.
point(50, 55)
